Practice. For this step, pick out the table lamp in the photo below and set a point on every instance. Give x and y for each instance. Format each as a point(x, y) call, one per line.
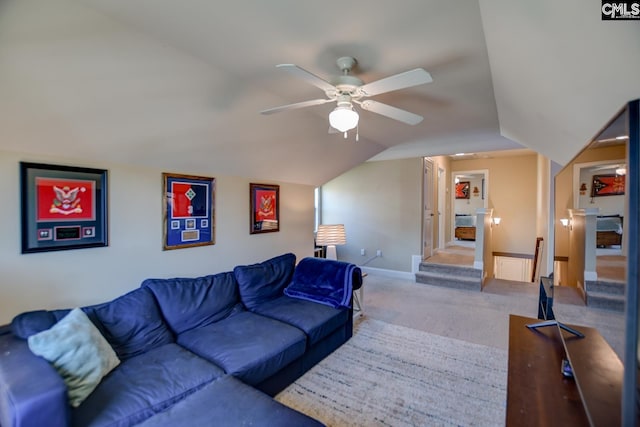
point(330, 235)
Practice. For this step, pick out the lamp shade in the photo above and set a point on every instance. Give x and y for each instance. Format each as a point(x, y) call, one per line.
point(343, 118)
point(331, 234)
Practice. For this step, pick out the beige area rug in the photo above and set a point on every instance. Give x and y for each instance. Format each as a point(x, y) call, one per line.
point(388, 375)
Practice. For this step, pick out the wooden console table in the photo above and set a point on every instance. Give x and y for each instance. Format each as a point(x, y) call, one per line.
point(465, 233)
point(537, 392)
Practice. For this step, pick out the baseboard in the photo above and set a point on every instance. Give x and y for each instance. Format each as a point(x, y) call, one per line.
point(392, 274)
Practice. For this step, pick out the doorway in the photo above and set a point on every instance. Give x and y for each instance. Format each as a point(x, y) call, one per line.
point(470, 193)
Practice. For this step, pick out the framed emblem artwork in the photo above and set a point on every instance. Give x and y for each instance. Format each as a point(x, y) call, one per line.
point(188, 211)
point(265, 208)
point(607, 185)
point(62, 207)
point(463, 190)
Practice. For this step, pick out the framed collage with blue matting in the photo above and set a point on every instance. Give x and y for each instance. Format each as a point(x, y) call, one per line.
point(188, 211)
point(63, 207)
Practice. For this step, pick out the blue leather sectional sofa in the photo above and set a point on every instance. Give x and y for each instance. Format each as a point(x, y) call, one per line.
point(193, 351)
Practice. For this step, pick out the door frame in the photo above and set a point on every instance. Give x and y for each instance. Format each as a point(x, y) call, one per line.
point(442, 206)
point(452, 195)
point(427, 193)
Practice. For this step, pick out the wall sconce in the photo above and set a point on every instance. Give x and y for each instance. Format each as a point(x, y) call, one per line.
point(564, 222)
point(497, 220)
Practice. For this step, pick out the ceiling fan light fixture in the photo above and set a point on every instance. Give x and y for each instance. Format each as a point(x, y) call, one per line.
point(343, 118)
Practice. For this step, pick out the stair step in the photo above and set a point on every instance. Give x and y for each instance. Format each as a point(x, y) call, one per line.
point(450, 269)
point(449, 281)
point(606, 301)
point(606, 287)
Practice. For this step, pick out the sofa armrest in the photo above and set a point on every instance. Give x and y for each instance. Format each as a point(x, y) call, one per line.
point(32, 393)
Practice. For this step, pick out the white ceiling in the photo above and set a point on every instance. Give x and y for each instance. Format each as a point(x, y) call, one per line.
point(178, 85)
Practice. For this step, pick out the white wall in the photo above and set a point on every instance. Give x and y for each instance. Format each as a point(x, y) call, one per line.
point(380, 205)
point(512, 194)
point(87, 276)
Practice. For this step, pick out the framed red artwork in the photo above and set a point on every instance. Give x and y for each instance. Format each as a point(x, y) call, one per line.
point(265, 208)
point(63, 207)
point(462, 190)
point(607, 185)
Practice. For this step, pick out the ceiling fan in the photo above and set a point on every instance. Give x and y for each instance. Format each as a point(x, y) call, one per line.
point(346, 90)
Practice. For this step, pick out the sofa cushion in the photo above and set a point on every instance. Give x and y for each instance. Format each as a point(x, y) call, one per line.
point(31, 322)
point(316, 320)
point(236, 404)
point(132, 323)
point(188, 303)
point(144, 385)
point(32, 392)
point(78, 351)
point(246, 345)
point(264, 281)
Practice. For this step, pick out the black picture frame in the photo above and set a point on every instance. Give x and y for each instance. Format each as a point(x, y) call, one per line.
point(265, 208)
point(607, 185)
point(189, 215)
point(62, 207)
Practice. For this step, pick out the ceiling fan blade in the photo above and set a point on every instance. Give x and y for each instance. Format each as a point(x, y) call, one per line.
point(391, 112)
point(296, 105)
point(307, 76)
point(398, 81)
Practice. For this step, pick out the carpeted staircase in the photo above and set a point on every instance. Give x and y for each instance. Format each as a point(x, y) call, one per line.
point(607, 294)
point(450, 276)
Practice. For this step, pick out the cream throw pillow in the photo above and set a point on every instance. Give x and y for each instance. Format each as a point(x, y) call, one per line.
point(78, 351)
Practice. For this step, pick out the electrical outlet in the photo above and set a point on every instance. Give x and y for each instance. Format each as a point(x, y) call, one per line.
point(363, 252)
point(379, 252)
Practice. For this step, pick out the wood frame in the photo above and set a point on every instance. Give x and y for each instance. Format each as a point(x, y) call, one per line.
point(188, 211)
point(264, 212)
point(62, 207)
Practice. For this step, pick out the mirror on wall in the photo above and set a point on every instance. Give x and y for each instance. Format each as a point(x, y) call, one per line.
point(469, 195)
point(596, 228)
point(590, 212)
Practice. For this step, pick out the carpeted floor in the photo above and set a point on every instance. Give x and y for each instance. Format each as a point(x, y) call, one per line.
point(457, 255)
point(390, 375)
point(611, 267)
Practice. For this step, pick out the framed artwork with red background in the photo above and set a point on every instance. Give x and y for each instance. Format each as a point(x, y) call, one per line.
point(462, 190)
point(607, 185)
point(265, 208)
point(63, 207)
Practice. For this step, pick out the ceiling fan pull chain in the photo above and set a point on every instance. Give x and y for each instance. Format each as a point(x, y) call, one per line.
point(345, 135)
point(357, 133)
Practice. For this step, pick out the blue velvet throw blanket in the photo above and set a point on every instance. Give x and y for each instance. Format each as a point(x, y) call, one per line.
point(325, 281)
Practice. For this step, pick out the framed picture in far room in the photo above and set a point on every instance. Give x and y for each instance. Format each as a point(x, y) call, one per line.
point(62, 207)
point(462, 190)
point(265, 208)
point(607, 185)
point(188, 211)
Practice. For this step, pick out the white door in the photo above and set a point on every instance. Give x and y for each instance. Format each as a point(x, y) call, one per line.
point(427, 214)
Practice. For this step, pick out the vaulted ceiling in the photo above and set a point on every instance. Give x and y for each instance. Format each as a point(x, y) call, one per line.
point(178, 85)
